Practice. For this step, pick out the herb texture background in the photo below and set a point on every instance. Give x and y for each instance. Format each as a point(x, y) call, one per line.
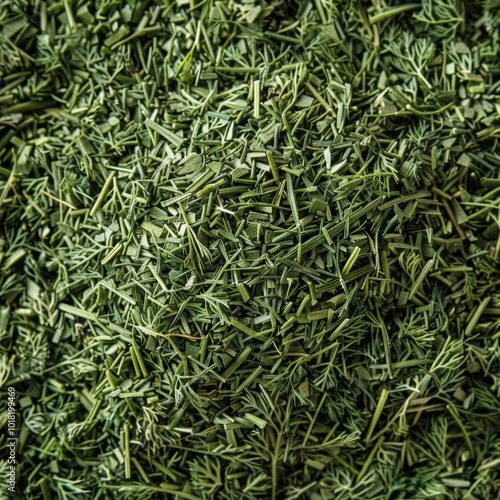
point(249, 250)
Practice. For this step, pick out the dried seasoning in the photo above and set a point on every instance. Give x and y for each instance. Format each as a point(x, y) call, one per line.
point(249, 250)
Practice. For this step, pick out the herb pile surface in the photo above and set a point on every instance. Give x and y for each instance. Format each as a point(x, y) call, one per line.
point(249, 250)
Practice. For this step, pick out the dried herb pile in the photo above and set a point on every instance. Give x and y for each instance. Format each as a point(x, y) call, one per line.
point(249, 250)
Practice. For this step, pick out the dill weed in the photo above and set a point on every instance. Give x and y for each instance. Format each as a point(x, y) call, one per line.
point(250, 250)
